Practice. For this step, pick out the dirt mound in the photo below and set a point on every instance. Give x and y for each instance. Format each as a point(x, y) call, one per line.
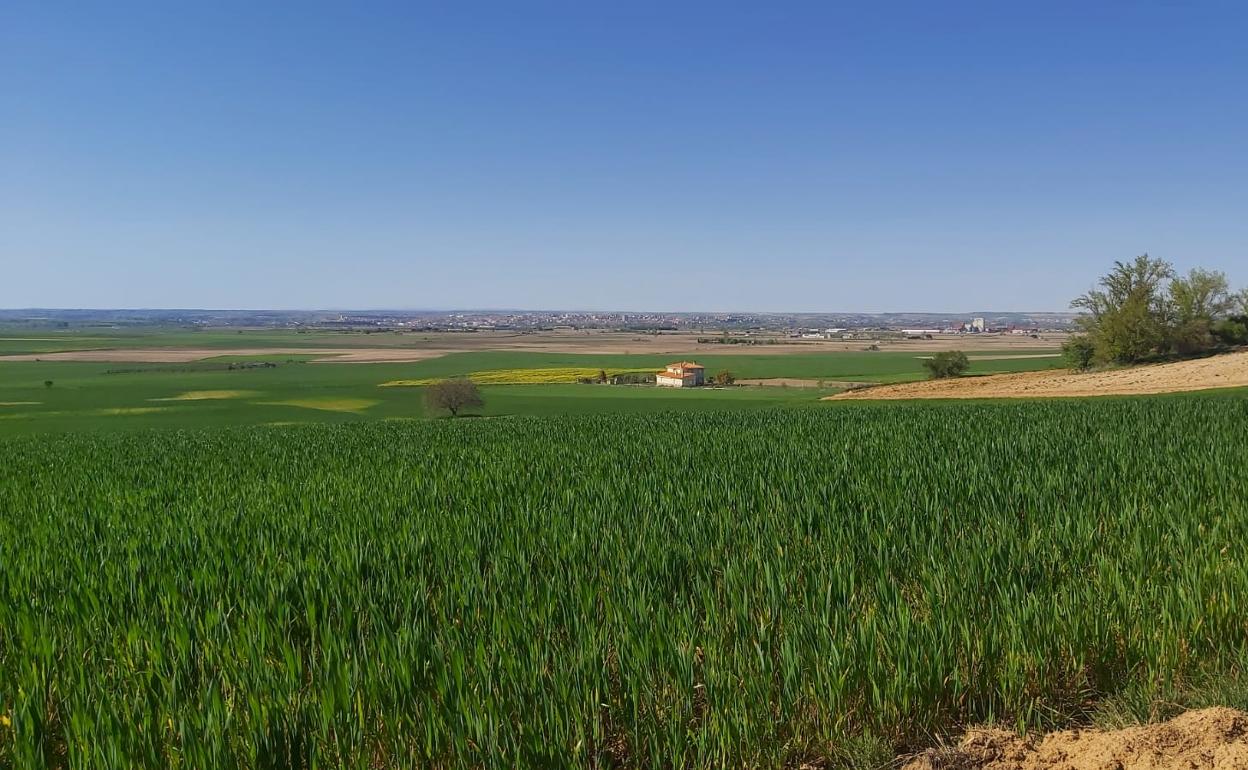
point(1212, 739)
point(1225, 371)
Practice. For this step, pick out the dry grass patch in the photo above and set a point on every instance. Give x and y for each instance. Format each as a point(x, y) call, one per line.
point(327, 403)
point(209, 395)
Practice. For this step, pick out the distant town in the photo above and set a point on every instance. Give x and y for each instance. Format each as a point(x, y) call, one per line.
point(738, 326)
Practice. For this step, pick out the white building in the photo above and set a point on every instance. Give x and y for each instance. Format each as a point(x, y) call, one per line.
point(682, 374)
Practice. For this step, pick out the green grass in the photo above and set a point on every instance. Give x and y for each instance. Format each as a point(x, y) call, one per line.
point(92, 396)
point(22, 341)
point(749, 589)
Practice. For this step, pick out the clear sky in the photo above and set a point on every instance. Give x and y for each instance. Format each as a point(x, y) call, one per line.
point(706, 156)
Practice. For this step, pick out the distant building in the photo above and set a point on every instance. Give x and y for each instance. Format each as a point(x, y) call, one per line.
point(683, 374)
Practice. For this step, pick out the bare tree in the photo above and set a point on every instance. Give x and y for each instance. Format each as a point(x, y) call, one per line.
point(453, 395)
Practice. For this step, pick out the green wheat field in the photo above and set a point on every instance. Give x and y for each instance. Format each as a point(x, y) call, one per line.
point(827, 585)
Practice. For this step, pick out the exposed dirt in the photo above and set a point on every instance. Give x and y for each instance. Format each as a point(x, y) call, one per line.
point(1208, 739)
point(1224, 371)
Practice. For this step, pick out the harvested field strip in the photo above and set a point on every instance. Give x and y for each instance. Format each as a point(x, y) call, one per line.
point(1225, 371)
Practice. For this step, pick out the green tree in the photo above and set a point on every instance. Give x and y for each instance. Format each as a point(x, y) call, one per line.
point(949, 363)
point(724, 377)
point(1079, 352)
point(1126, 315)
point(1197, 301)
point(1232, 331)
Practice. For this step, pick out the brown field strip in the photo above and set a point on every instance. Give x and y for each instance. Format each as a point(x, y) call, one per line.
point(1225, 371)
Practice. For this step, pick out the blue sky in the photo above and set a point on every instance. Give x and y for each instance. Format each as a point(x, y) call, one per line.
point(705, 156)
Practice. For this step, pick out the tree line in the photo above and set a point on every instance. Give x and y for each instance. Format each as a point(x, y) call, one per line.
point(1143, 310)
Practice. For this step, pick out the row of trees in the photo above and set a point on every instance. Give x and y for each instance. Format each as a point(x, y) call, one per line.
point(1143, 310)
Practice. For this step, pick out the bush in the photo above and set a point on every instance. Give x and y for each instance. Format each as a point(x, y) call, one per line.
point(950, 363)
point(724, 378)
point(1232, 331)
point(1079, 352)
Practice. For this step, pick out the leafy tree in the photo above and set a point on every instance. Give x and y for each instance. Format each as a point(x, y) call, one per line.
point(453, 395)
point(1197, 301)
point(1079, 352)
point(949, 363)
point(724, 378)
point(1241, 301)
point(1126, 319)
point(1232, 331)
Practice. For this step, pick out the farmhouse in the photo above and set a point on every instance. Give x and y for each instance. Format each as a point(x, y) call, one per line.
point(682, 374)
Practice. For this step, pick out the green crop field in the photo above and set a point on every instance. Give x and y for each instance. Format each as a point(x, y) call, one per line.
point(825, 585)
point(125, 396)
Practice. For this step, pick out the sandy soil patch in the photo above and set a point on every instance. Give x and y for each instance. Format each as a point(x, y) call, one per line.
point(1212, 739)
point(1225, 371)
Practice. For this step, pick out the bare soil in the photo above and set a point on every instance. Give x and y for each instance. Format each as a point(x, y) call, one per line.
point(1225, 371)
point(1208, 739)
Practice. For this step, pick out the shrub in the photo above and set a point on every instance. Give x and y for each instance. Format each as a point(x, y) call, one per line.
point(1232, 331)
point(1079, 352)
point(950, 363)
